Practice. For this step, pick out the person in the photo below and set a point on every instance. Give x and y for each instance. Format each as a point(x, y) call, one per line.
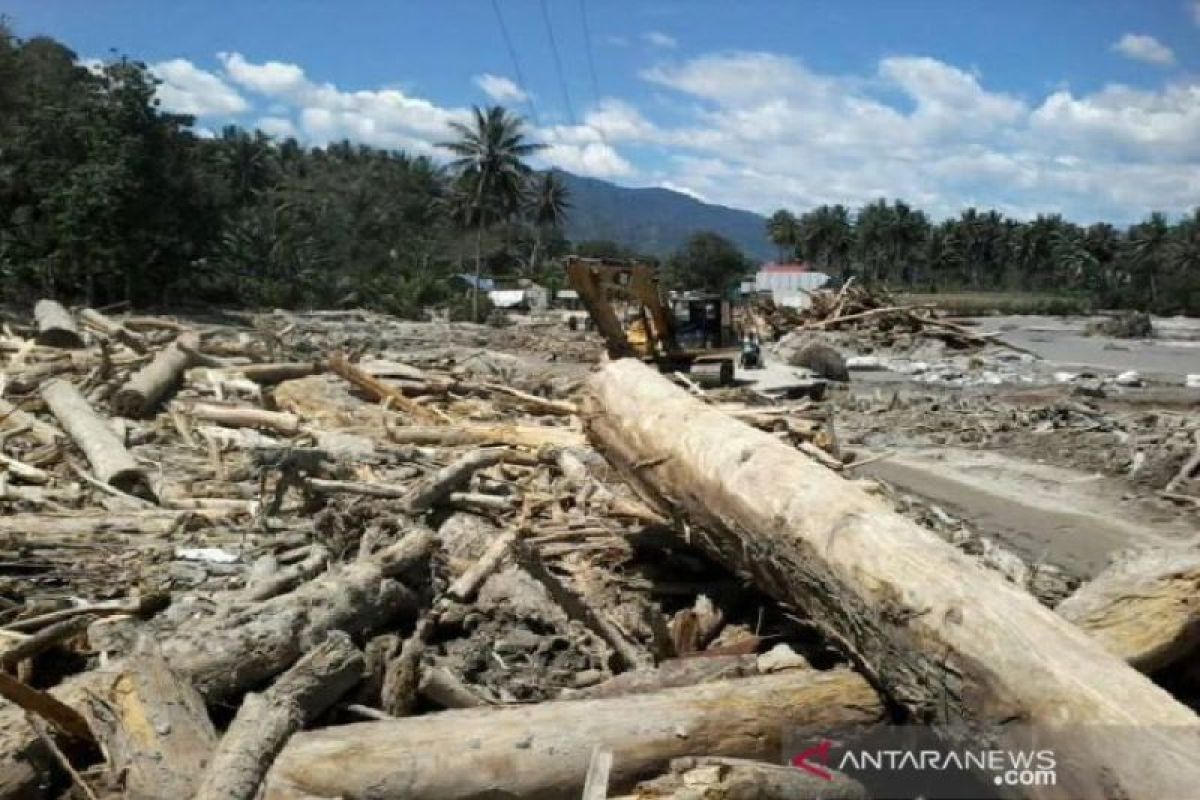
point(751, 357)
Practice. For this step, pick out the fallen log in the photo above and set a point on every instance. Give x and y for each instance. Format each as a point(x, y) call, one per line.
point(110, 327)
point(465, 433)
point(266, 721)
point(1144, 609)
point(942, 637)
point(377, 389)
point(56, 326)
point(433, 489)
point(153, 726)
point(227, 653)
point(151, 383)
point(244, 417)
point(708, 778)
point(543, 750)
point(110, 461)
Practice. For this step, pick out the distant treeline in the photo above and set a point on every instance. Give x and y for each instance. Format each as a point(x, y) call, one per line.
point(1154, 265)
point(106, 198)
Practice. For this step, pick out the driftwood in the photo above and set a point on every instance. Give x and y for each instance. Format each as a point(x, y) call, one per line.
point(1144, 609)
point(12, 417)
point(230, 652)
point(110, 461)
point(239, 417)
point(266, 721)
point(151, 383)
point(543, 750)
point(63, 717)
point(56, 326)
point(377, 389)
point(268, 374)
point(467, 433)
point(432, 490)
point(111, 328)
point(153, 726)
point(711, 778)
point(939, 635)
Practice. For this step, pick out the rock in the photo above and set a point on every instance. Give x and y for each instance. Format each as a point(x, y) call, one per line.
point(824, 361)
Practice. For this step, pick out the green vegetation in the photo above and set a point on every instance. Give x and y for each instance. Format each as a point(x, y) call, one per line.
point(706, 261)
point(105, 198)
point(981, 303)
point(1048, 265)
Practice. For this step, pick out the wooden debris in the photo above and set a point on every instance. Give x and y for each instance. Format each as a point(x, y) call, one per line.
point(544, 749)
point(56, 326)
point(1144, 609)
point(714, 778)
point(110, 461)
point(152, 382)
point(941, 636)
point(266, 721)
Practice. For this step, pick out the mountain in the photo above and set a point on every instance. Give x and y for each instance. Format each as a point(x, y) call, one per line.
point(656, 221)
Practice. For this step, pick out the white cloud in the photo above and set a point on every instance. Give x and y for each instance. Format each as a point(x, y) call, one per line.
point(187, 89)
point(1141, 47)
point(660, 39)
point(280, 127)
point(500, 89)
point(387, 118)
point(767, 131)
point(692, 193)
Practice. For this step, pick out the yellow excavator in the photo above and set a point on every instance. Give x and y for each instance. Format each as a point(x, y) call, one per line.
point(693, 336)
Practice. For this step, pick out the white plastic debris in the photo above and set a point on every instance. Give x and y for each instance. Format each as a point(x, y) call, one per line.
point(1130, 378)
point(1192, 381)
point(865, 363)
point(1064, 377)
point(209, 555)
point(779, 658)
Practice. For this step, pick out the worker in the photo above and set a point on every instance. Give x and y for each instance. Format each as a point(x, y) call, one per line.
point(751, 357)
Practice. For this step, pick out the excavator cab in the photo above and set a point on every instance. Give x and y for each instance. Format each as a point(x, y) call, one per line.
point(628, 308)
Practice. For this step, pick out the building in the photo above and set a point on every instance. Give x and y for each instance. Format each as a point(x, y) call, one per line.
point(789, 283)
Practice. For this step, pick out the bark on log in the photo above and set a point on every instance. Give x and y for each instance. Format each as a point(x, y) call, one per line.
point(1145, 609)
point(114, 329)
point(153, 725)
point(464, 434)
point(266, 721)
point(432, 490)
point(228, 653)
point(543, 750)
point(707, 778)
point(147, 386)
point(239, 417)
point(942, 637)
point(110, 461)
point(56, 326)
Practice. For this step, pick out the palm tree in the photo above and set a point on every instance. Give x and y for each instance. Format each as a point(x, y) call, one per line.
point(784, 232)
point(1148, 243)
point(546, 203)
point(490, 150)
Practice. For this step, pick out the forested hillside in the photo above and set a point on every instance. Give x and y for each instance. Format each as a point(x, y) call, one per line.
point(657, 221)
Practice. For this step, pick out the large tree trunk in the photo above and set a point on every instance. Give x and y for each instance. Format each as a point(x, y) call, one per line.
point(56, 326)
point(943, 638)
point(1145, 609)
point(110, 461)
point(543, 750)
point(148, 385)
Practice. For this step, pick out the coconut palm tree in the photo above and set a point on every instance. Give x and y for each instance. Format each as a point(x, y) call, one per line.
point(784, 232)
point(490, 149)
point(546, 205)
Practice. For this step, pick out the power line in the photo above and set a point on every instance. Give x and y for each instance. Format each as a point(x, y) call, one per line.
point(557, 62)
point(516, 64)
point(587, 43)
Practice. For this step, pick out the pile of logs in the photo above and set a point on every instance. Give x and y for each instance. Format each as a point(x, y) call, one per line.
point(233, 570)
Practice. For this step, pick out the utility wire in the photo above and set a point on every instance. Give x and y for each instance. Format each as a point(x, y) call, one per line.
point(516, 64)
point(587, 44)
point(557, 63)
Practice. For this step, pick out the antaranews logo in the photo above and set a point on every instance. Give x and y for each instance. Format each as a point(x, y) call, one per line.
point(912, 761)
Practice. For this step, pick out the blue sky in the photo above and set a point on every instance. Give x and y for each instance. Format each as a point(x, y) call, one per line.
point(1091, 109)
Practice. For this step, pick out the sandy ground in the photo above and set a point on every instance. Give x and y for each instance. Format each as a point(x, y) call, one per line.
point(1062, 513)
